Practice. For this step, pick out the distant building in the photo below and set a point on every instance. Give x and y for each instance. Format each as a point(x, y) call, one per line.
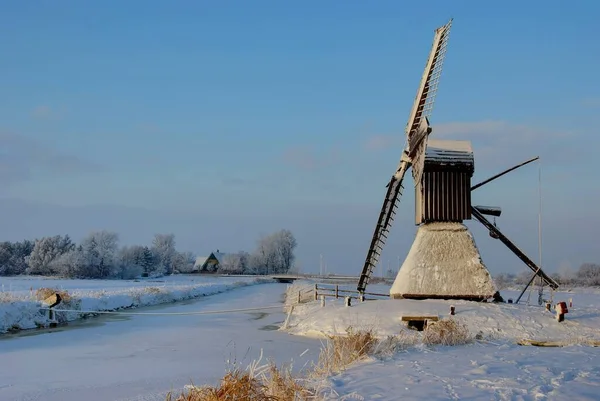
point(210, 263)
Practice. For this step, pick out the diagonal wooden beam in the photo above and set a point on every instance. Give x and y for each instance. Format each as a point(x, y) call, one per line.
point(530, 263)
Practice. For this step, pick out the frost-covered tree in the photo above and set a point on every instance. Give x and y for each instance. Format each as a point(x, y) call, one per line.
point(45, 250)
point(504, 280)
point(163, 249)
point(100, 249)
point(183, 262)
point(133, 261)
point(6, 254)
point(73, 264)
point(232, 263)
point(274, 253)
point(588, 274)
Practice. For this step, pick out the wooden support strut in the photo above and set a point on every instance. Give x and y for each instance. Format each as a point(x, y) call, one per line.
point(530, 263)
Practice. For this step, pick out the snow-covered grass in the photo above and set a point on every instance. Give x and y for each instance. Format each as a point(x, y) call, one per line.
point(20, 297)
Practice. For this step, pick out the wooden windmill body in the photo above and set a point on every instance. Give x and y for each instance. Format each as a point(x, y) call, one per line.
point(443, 261)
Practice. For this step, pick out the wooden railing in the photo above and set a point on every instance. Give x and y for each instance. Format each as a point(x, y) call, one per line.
point(336, 292)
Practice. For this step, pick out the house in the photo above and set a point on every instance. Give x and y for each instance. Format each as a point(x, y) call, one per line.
point(208, 263)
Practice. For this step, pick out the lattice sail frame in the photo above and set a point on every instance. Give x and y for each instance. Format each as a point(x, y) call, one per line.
point(417, 130)
point(425, 100)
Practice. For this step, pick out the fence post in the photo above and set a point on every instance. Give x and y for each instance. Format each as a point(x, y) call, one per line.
point(299, 296)
point(348, 301)
point(316, 291)
point(322, 301)
point(337, 295)
point(287, 319)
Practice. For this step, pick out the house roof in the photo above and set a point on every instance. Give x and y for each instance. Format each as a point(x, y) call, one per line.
point(200, 260)
point(449, 152)
point(219, 255)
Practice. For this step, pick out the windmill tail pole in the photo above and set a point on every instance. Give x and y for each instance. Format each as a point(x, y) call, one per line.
point(474, 187)
point(530, 263)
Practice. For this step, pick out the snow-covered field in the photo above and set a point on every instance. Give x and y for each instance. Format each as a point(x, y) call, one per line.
point(140, 358)
point(20, 308)
point(495, 368)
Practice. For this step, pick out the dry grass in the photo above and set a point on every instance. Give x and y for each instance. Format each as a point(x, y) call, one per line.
point(446, 332)
point(8, 297)
point(271, 383)
point(340, 351)
point(268, 383)
point(44, 292)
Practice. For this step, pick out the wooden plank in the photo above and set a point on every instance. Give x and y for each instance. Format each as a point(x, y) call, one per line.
point(407, 318)
point(548, 343)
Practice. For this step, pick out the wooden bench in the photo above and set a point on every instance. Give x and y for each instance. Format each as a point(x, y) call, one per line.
point(419, 322)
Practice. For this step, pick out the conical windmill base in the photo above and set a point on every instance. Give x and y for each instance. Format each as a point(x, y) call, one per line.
point(443, 262)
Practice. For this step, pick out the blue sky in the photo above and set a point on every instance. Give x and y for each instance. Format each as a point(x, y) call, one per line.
point(220, 121)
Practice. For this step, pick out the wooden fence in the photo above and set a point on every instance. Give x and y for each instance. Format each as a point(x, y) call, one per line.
point(336, 292)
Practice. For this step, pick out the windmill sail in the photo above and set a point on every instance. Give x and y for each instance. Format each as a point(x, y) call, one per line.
point(424, 101)
point(417, 130)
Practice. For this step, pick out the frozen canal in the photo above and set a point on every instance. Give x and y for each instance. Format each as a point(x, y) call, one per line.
point(143, 357)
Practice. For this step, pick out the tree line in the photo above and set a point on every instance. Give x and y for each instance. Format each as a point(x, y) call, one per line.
point(100, 256)
point(588, 275)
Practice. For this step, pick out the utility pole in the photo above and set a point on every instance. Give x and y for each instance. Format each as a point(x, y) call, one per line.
point(321, 265)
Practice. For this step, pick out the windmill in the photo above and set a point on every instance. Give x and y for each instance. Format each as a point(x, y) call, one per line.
point(443, 261)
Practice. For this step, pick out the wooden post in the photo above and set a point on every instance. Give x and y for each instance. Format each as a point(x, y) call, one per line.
point(348, 301)
point(287, 319)
point(50, 314)
point(316, 291)
point(337, 295)
point(322, 301)
point(299, 296)
point(452, 310)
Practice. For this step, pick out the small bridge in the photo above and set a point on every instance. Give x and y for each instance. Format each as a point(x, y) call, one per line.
point(290, 278)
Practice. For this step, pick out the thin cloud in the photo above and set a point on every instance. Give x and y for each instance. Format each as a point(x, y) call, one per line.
point(21, 157)
point(45, 112)
point(380, 142)
point(591, 102)
point(306, 158)
point(499, 142)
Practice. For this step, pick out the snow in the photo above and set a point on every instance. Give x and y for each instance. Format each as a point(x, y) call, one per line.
point(141, 358)
point(494, 321)
point(493, 368)
point(441, 150)
point(443, 260)
point(19, 308)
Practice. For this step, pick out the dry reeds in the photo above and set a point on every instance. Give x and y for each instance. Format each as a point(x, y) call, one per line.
point(446, 332)
point(340, 351)
point(44, 293)
point(266, 383)
point(270, 383)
